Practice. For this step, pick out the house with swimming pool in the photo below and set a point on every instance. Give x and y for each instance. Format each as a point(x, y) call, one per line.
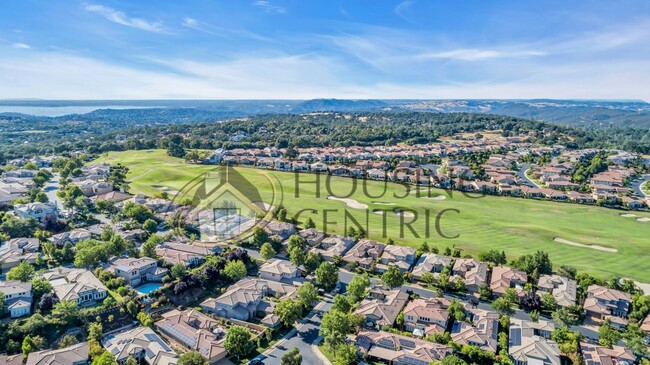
point(136, 271)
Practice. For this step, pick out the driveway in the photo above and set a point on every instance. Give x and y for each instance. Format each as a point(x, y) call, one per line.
point(636, 185)
point(304, 335)
point(521, 174)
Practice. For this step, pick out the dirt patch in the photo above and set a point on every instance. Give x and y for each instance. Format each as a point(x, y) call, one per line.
point(595, 247)
point(628, 215)
point(349, 202)
point(644, 219)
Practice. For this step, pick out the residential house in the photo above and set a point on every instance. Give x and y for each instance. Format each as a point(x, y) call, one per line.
point(11, 359)
point(563, 289)
point(244, 299)
point(472, 271)
point(603, 303)
point(504, 277)
point(17, 250)
point(481, 330)
point(312, 236)
point(598, 355)
point(400, 350)
point(430, 263)
point(196, 332)
point(376, 174)
point(424, 317)
point(77, 354)
point(382, 306)
point(529, 343)
point(17, 297)
point(333, 246)
point(35, 210)
point(188, 255)
point(137, 271)
point(73, 237)
point(281, 229)
point(141, 343)
point(78, 285)
point(278, 270)
point(400, 256)
point(364, 253)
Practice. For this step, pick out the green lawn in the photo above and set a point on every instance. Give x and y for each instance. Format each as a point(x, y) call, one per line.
point(515, 225)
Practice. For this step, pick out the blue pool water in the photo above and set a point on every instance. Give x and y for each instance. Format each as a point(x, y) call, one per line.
point(147, 288)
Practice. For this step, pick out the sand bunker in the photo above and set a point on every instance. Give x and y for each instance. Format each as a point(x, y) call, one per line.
point(439, 197)
point(595, 247)
point(628, 215)
point(349, 202)
point(396, 212)
point(383, 203)
point(405, 213)
point(644, 219)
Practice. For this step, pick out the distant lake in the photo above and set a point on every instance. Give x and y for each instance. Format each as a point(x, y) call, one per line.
point(57, 111)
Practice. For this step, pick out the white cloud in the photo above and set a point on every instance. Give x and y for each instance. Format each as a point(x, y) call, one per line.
point(268, 7)
point(469, 54)
point(119, 17)
point(61, 76)
point(21, 46)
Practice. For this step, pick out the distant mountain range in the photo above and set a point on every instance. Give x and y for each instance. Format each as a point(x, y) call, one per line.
point(587, 113)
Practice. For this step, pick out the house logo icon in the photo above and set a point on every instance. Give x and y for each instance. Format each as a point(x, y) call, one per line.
point(222, 205)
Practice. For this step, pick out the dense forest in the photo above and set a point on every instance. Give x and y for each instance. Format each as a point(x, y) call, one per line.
point(21, 138)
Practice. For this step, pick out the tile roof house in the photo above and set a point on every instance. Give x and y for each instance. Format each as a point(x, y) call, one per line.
point(333, 246)
point(364, 253)
point(75, 236)
point(17, 297)
point(35, 210)
point(563, 289)
point(529, 344)
point(11, 359)
point(382, 306)
point(188, 255)
point(599, 355)
point(430, 263)
point(400, 256)
point(141, 343)
point(473, 272)
point(481, 331)
point(136, 271)
point(602, 302)
point(397, 349)
point(16, 250)
point(79, 285)
point(195, 331)
point(278, 270)
point(312, 236)
point(424, 317)
point(504, 277)
point(282, 229)
point(72, 355)
point(243, 300)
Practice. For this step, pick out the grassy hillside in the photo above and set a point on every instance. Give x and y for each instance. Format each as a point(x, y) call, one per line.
point(515, 225)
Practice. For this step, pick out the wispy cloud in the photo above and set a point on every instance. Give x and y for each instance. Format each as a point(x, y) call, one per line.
point(119, 17)
point(268, 7)
point(401, 9)
point(21, 46)
point(469, 54)
point(211, 29)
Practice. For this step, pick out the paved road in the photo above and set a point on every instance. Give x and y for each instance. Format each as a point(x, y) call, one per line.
point(636, 185)
point(52, 187)
point(521, 174)
point(303, 338)
point(346, 277)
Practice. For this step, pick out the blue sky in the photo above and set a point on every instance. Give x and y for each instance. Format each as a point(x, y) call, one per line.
point(299, 49)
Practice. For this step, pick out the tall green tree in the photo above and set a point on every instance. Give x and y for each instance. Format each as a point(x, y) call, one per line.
point(238, 341)
point(392, 277)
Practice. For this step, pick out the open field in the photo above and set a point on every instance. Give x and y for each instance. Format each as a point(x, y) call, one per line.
point(477, 223)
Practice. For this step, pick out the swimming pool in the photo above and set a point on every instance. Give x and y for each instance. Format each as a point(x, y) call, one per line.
point(147, 288)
